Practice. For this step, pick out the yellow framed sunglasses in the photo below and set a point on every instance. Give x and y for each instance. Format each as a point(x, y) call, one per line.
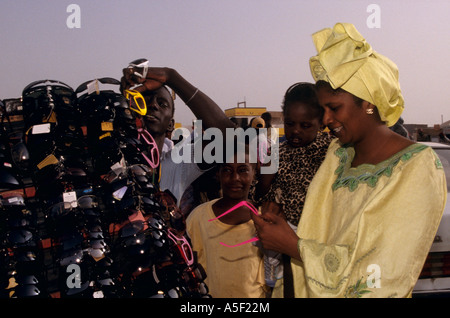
point(137, 101)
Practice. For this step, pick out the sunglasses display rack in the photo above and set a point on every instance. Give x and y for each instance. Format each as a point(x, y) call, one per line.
point(21, 272)
point(20, 257)
point(82, 214)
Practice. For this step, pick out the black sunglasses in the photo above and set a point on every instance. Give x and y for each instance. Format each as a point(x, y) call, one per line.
point(104, 80)
point(26, 291)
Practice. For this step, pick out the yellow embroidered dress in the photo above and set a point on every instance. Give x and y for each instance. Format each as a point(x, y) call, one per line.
point(366, 231)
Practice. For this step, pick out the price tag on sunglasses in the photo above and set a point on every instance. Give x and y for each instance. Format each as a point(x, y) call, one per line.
point(49, 160)
point(41, 129)
point(70, 197)
point(107, 126)
point(118, 194)
point(92, 87)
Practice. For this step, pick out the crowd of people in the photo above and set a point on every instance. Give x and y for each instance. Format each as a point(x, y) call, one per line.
point(341, 203)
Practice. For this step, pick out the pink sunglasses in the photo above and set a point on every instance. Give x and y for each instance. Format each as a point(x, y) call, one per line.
point(242, 203)
point(154, 152)
point(183, 246)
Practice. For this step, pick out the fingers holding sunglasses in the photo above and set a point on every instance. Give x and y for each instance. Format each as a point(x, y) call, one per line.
point(125, 82)
point(129, 79)
point(275, 234)
point(155, 77)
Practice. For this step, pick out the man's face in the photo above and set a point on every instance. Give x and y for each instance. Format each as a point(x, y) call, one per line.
point(159, 111)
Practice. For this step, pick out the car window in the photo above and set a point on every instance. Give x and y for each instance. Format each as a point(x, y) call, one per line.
point(444, 155)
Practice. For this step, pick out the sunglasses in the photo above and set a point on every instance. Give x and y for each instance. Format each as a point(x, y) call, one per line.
point(25, 291)
point(13, 200)
point(74, 256)
point(73, 241)
point(62, 208)
point(118, 171)
point(150, 206)
point(20, 237)
point(138, 241)
point(97, 243)
point(19, 223)
point(22, 256)
point(43, 84)
point(159, 237)
point(141, 64)
point(8, 181)
point(131, 228)
point(137, 101)
point(87, 202)
point(113, 175)
point(153, 161)
point(240, 204)
point(140, 170)
point(85, 291)
point(183, 247)
point(25, 279)
point(104, 80)
point(193, 276)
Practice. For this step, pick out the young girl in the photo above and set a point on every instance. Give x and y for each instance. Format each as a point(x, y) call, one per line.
point(234, 266)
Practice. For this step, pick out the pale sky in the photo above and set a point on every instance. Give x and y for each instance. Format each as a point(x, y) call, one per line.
point(233, 50)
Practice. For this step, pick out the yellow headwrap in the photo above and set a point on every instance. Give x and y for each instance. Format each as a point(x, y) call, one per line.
point(347, 61)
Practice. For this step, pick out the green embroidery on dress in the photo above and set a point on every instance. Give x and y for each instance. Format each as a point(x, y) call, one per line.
point(344, 278)
point(331, 262)
point(437, 161)
point(357, 290)
point(439, 164)
point(367, 173)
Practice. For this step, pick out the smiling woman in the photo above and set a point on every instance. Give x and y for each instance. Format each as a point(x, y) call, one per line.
point(384, 191)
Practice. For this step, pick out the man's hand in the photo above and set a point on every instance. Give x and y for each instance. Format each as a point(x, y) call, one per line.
point(156, 77)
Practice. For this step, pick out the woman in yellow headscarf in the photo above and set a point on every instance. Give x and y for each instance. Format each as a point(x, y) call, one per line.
point(374, 206)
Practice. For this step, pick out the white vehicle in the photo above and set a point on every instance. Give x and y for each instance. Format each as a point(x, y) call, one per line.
point(434, 280)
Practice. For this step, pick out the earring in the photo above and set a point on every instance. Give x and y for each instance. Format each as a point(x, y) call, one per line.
point(369, 111)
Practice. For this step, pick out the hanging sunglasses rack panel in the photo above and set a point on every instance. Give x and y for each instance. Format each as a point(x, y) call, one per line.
point(91, 203)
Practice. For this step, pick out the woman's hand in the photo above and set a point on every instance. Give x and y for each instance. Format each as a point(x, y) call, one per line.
point(275, 233)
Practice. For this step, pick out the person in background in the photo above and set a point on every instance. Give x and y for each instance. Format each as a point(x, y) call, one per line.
point(373, 208)
point(267, 117)
point(400, 129)
point(257, 123)
point(216, 226)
